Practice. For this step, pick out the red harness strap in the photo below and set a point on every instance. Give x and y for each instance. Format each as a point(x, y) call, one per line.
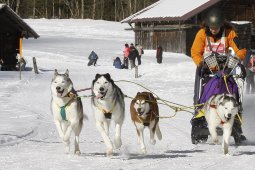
point(215, 107)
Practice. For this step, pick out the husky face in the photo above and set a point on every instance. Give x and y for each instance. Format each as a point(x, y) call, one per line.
point(102, 86)
point(141, 105)
point(61, 84)
point(228, 106)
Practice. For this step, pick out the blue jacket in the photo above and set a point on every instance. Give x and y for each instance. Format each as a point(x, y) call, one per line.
point(117, 63)
point(93, 56)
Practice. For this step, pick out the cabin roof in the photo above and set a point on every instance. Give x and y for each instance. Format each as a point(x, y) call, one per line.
point(169, 10)
point(8, 15)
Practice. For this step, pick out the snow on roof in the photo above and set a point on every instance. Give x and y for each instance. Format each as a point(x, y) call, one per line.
point(171, 10)
point(241, 22)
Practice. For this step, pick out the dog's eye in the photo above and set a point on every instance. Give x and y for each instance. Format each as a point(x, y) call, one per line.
point(105, 82)
point(63, 82)
point(97, 82)
point(55, 82)
point(137, 103)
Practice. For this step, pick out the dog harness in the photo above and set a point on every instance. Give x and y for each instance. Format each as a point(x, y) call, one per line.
point(63, 108)
point(145, 123)
point(215, 107)
point(107, 114)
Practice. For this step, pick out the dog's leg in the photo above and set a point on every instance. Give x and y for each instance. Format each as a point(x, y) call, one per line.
point(227, 130)
point(139, 130)
point(117, 139)
point(158, 132)
point(107, 125)
point(60, 132)
point(77, 132)
point(152, 135)
point(213, 132)
point(141, 139)
point(107, 141)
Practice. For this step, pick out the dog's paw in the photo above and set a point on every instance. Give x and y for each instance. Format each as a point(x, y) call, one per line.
point(109, 153)
point(67, 149)
point(144, 151)
point(77, 152)
point(153, 141)
point(215, 141)
point(117, 143)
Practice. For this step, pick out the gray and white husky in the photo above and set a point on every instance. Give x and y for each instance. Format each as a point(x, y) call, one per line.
point(67, 109)
point(108, 104)
point(220, 111)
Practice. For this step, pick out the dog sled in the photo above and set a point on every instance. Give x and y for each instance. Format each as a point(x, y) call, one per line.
point(218, 74)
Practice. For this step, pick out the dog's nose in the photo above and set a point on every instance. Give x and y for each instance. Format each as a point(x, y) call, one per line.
point(139, 110)
point(101, 89)
point(58, 88)
point(229, 115)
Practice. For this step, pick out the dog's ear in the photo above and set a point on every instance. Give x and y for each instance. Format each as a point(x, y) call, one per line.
point(55, 72)
point(97, 76)
point(107, 76)
point(67, 73)
point(151, 97)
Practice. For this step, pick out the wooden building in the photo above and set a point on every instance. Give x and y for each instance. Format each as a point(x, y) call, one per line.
point(12, 28)
point(174, 24)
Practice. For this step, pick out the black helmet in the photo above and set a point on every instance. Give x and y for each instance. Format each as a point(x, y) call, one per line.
point(215, 18)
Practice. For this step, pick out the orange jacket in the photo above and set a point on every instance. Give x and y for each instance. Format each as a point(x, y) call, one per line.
point(198, 47)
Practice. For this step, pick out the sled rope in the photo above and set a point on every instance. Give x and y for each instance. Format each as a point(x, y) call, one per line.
point(164, 102)
point(225, 81)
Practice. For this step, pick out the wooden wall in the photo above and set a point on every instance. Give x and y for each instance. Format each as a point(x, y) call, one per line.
point(172, 41)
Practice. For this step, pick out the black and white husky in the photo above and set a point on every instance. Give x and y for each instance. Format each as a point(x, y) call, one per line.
point(108, 104)
point(220, 111)
point(67, 109)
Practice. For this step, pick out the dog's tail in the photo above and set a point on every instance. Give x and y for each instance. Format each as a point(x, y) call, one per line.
point(158, 132)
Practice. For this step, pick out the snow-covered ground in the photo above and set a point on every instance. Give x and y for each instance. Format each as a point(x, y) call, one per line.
point(28, 137)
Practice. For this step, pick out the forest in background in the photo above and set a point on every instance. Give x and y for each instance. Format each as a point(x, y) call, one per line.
point(111, 10)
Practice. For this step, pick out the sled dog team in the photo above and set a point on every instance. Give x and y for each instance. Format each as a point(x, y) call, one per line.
point(108, 104)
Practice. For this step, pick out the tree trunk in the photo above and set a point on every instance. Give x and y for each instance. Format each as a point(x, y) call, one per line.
point(53, 10)
point(94, 9)
point(130, 7)
point(59, 9)
point(46, 8)
point(82, 9)
point(34, 9)
point(17, 6)
point(102, 9)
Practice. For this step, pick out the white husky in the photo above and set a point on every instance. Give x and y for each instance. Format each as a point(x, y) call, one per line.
point(67, 109)
point(108, 104)
point(220, 111)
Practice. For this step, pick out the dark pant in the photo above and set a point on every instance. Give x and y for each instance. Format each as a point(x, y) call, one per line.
point(139, 60)
point(92, 62)
point(250, 86)
point(125, 62)
point(159, 60)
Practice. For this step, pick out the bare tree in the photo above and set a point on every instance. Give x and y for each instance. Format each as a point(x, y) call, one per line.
point(17, 6)
point(82, 9)
point(33, 8)
point(94, 10)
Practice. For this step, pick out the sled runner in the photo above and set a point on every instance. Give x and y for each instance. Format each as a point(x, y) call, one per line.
point(217, 75)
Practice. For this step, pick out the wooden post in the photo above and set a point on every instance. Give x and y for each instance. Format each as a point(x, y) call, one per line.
point(136, 71)
point(35, 66)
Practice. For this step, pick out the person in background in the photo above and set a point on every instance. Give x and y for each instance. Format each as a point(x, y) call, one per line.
point(132, 55)
point(159, 54)
point(140, 53)
point(117, 63)
point(126, 54)
point(93, 57)
point(249, 64)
